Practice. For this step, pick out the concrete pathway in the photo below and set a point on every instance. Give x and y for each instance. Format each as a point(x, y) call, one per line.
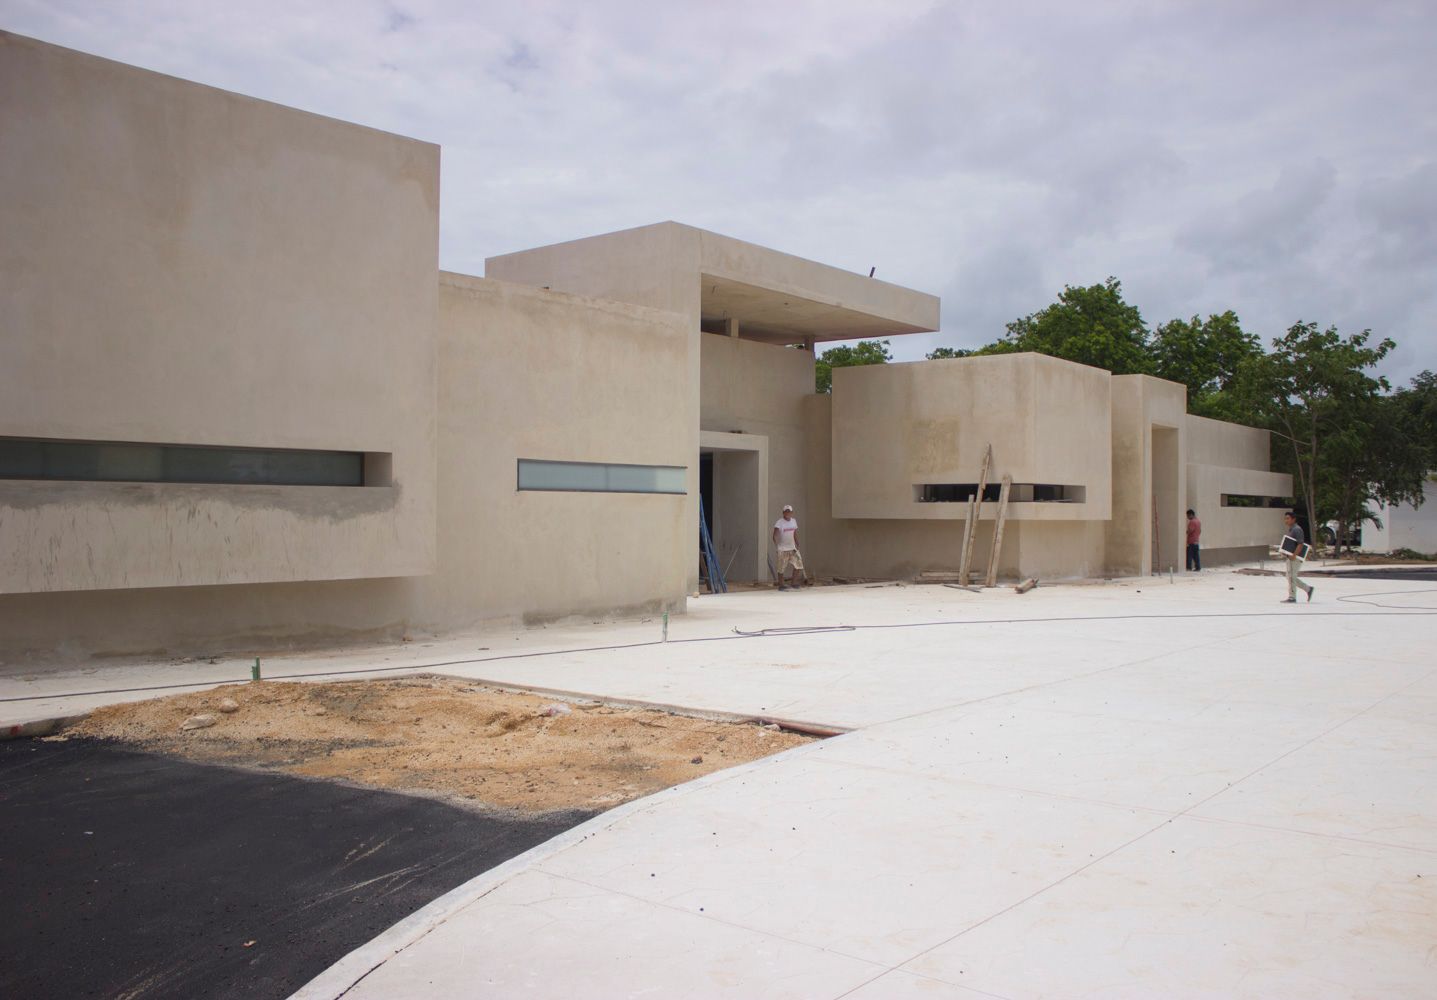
point(1138, 789)
point(1135, 790)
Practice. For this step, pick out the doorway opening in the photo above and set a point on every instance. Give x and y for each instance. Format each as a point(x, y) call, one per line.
point(1167, 521)
point(733, 482)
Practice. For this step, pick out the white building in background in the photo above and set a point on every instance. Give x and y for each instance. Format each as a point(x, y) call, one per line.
point(1405, 526)
point(242, 408)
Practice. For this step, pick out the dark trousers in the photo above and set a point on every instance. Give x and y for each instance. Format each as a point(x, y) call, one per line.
point(1194, 560)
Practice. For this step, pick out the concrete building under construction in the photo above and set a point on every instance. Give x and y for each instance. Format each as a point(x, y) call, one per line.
point(240, 405)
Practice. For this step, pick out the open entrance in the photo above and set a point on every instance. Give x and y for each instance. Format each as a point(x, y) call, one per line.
point(1167, 522)
point(733, 481)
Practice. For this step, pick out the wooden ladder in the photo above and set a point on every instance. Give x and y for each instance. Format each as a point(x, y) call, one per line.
point(992, 580)
point(975, 508)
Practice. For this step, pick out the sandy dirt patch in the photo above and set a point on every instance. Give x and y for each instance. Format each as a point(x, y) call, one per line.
point(441, 736)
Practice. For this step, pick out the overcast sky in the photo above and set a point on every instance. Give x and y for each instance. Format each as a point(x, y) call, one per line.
point(1277, 159)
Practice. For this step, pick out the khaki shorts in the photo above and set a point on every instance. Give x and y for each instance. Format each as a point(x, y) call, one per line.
point(787, 558)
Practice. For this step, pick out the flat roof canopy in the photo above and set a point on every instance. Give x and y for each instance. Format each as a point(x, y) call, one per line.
point(775, 297)
point(786, 317)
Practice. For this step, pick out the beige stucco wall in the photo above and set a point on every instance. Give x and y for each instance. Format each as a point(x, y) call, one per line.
point(758, 390)
point(665, 265)
point(524, 373)
point(900, 425)
point(656, 266)
point(1149, 468)
point(1231, 458)
point(1225, 444)
point(183, 265)
point(902, 548)
point(532, 374)
point(866, 547)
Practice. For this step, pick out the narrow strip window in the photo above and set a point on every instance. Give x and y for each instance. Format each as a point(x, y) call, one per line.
point(133, 462)
point(601, 477)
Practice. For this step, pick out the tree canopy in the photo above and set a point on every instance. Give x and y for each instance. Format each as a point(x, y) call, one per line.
point(1333, 421)
point(865, 352)
point(1205, 355)
point(1092, 326)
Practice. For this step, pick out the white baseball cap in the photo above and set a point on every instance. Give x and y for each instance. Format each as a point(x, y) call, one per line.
point(788, 507)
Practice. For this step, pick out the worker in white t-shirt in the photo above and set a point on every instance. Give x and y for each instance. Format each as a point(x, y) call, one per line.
point(785, 539)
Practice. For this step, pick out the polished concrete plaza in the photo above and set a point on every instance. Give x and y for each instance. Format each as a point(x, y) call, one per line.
point(1134, 789)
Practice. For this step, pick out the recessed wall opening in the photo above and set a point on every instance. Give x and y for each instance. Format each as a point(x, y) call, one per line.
point(733, 512)
point(135, 462)
point(1168, 531)
point(1019, 493)
point(1253, 500)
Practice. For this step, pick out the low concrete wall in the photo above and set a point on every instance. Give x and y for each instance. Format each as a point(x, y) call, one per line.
point(1234, 554)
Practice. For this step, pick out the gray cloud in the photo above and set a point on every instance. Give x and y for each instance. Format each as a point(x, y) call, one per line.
point(1270, 158)
point(1265, 227)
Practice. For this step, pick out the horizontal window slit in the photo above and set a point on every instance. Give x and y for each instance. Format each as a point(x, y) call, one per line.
point(1018, 493)
point(135, 462)
point(1253, 500)
point(600, 477)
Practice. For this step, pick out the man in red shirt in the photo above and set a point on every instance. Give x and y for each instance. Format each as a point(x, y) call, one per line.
point(1194, 533)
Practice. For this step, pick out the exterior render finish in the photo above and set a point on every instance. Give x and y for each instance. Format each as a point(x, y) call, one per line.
point(1227, 461)
point(185, 266)
point(192, 276)
point(769, 301)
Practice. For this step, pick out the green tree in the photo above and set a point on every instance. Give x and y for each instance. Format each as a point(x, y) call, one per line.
point(865, 352)
point(1313, 391)
point(1378, 454)
point(1419, 406)
point(1091, 325)
point(938, 353)
point(1205, 355)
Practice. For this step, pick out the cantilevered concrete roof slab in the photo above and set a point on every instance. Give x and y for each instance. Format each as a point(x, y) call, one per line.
point(713, 279)
point(786, 299)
